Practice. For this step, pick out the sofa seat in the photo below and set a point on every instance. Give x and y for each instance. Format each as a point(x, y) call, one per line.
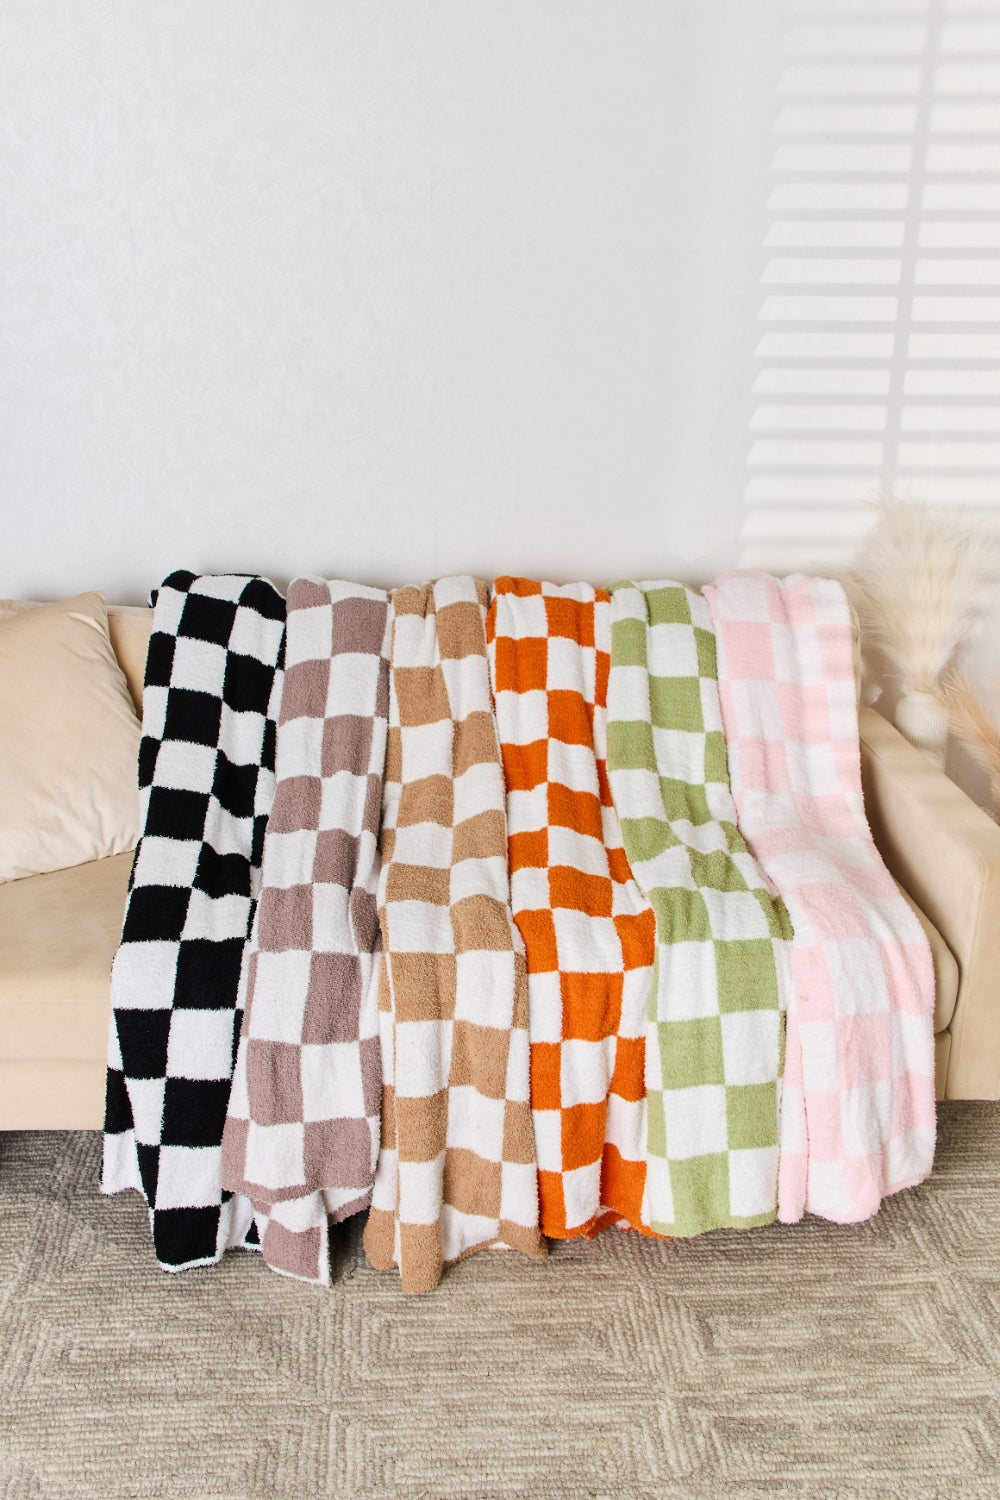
point(58, 935)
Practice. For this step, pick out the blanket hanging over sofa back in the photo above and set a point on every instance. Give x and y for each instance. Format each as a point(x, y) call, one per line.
point(206, 781)
point(563, 862)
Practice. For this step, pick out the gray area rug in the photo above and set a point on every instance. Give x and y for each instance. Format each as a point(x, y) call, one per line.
point(809, 1361)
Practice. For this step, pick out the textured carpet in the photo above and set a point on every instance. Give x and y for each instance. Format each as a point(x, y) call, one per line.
point(814, 1361)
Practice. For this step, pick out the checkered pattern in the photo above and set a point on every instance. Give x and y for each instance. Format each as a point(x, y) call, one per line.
point(457, 1168)
point(206, 779)
point(714, 1037)
point(857, 1118)
point(589, 935)
point(302, 1131)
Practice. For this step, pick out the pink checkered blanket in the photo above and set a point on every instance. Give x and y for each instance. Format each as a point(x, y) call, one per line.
point(302, 1132)
point(857, 1112)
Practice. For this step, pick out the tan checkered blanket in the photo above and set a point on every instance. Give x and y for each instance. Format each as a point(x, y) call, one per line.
point(457, 1168)
point(302, 1132)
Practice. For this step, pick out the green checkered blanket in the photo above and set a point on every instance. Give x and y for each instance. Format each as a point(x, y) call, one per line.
point(714, 1036)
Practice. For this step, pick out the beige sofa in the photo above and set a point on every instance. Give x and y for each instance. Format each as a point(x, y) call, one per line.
point(58, 933)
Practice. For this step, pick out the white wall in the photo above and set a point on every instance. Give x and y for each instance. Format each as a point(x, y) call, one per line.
point(392, 288)
point(378, 289)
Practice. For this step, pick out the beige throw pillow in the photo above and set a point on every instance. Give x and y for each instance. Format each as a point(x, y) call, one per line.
point(69, 740)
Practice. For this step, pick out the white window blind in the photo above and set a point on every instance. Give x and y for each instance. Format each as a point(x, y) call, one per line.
point(878, 362)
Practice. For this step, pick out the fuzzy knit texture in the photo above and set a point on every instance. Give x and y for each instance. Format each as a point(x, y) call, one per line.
point(302, 1131)
point(457, 1168)
point(589, 933)
point(714, 1035)
point(858, 1114)
point(206, 780)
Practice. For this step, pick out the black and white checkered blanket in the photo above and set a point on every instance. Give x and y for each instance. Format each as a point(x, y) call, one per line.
point(206, 780)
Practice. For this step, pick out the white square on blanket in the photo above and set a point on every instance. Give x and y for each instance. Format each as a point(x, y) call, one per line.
point(312, 633)
point(330, 915)
point(567, 666)
point(427, 750)
point(300, 745)
point(518, 1087)
point(628, 694)
point(528, 811)
point(820, 1065)
point(672, 650)
point(353, 679)
point(467, 679)
point(857, 976)
point(423, 844)
point(521, 618)
point(572, 765)
point(866, 1117)
point(216, 917)
point(658, 1197)
point(585, 1070)
point(188, 1177)
point(485, 988)
point(522, 718)
point(256, 636)
point(587, 945)
point(581, 1193)
point(548, 1139)
point(275, 1154)
point(680, 756)
point(545, 1007)
point(179, 763)
point(289, 857)
point(167, 862)
point(580, 851)
point(751, 1043)
point(475, 1122)
point(482, 876)
point(423, 1058)
point(331, 1082)
point(279, 997)
point(636, 985)
point(637, 794)
point(529, 888)
point(198, 666)
point(753, 1182)
point(519, 1193)
point(146, 1098)
point(734, 916)
point(200, 1044)
point(688, 989)
point(418, 927)
point(241, 735)
point(695, 1121)
point(144, 976)
point(227, 833)
point(420, 1188)
point(479, 789)
point(169, 608)
point(758, 714)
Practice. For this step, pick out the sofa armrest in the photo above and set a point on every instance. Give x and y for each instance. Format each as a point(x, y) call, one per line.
point(946, 852)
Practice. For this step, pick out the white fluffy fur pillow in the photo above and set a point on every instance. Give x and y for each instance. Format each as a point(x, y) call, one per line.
point(69, 740)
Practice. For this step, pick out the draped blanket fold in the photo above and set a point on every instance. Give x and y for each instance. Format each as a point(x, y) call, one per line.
point(206, 779)
point(714, 1035)
point(857, 1118)
point(589, 934)
point(302, 1132)
point(457, 1167)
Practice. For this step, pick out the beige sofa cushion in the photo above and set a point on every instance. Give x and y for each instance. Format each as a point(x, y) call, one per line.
point(70, 741)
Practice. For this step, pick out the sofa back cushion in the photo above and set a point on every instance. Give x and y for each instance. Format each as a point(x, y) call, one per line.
point(69, 741)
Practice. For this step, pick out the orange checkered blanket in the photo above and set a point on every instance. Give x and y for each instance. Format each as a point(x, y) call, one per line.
point(588, 932)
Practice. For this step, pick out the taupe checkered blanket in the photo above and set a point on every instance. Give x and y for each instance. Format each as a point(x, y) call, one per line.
point(301, 1136)
point(457, 1168)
